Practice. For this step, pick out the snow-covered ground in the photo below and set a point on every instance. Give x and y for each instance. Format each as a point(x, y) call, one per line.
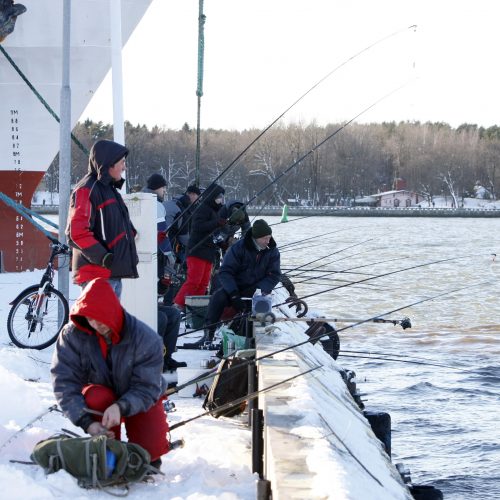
point(216, 459)
point(214, 463)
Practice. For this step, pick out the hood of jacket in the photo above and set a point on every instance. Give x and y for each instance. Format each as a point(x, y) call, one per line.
point(103, 155)
point(210, 194)
point(98, 301)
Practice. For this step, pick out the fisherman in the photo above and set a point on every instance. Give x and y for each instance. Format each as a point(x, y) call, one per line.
point(156, 184)
point(251, 263)
point(108, 361)
point(99, 228)
point(237, 219)
point(178, 214)
point(202, 251)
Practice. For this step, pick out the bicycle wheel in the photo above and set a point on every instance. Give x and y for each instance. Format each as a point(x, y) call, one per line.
point(35, 320)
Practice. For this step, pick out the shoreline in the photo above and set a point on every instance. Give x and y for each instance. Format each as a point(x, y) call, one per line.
point(346, 211)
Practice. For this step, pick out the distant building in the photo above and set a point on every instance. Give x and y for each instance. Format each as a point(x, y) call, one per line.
point(398, 199)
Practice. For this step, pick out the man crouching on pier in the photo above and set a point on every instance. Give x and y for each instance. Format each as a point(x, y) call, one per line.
point(108, 361)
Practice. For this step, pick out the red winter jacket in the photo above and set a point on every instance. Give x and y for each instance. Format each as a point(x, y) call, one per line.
point(98, 221)
point(131, 364)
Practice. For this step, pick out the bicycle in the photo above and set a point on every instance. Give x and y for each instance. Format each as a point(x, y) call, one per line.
point(39, 312)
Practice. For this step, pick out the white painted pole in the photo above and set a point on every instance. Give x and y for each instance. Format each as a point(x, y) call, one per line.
point(65, 147)
point(115, 12)
point(140, 296)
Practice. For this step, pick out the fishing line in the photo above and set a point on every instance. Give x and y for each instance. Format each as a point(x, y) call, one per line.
point(357, 54)
point(314, 338)
point(235, 160)
point(238, 401)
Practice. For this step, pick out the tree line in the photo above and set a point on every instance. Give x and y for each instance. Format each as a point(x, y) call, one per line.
point(432, 158)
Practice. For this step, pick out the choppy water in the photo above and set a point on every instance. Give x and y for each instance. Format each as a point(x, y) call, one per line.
point(444, 420)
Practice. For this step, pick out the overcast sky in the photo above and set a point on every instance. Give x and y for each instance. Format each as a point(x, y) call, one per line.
point(262, 55)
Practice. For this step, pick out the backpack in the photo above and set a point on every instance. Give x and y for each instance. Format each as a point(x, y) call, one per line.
point(96, 461)
point(227, 386)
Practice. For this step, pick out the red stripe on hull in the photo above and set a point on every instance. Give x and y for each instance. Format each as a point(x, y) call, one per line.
point(23, 246)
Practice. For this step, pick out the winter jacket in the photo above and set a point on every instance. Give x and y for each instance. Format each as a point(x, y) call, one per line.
point(98, 221)
point(178, 217)
point(131, 365)
point(230, 230)
point(204, 223)
point(161, 224)
point(245, 267)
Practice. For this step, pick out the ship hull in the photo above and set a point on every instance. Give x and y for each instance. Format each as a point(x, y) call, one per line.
point(29, 130)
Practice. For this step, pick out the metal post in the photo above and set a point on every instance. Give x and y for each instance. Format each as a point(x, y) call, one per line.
point(64, 148)
point(253, 404)
point(115, 10)
point(257, 418)
point(199, 88)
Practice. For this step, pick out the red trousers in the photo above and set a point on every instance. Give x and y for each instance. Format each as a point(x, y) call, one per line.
point(148, 429)
point(198, 277)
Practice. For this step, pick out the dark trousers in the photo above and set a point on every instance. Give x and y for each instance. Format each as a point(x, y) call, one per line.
point(218, 302)
point(169, 320)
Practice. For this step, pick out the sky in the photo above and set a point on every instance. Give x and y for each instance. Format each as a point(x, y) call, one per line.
point(206, 467)
point(261, 56)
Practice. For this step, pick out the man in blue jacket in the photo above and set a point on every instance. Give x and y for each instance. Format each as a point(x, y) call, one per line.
point(108, 361)
point(251, 263)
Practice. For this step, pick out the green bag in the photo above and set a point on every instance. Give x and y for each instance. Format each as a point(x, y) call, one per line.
point(89, 459)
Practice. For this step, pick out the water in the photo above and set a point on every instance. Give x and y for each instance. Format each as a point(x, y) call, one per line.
point(444, 420)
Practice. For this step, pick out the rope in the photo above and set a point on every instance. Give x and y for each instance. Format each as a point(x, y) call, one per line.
point(40, 98)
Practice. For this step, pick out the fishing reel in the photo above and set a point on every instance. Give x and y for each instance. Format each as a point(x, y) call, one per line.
point(405, 323)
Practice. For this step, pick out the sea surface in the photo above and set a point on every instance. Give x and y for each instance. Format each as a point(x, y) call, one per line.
point(444, 418)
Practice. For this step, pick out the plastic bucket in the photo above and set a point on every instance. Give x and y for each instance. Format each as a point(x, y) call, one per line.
point(196, 310)
point(232, 342)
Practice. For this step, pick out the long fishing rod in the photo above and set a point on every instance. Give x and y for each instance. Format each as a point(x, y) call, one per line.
point(357, 54)
point(238, 401)
point(324, 141)
point(348, 270)
point(335, 288)
point(286, 245)
point(386, 355)
point(385, 274)
point(318, 336)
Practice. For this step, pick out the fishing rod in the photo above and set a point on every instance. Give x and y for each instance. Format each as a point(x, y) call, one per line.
point(344, 271)
point(235, 160)
point(422, 361)
point(273, 122)
point(286, 245)
point(385, 274)
point(404, 322)
point(238, 401)
point(315, 338)
point(336, 288)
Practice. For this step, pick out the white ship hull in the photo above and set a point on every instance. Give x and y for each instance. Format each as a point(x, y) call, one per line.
point(29, 133)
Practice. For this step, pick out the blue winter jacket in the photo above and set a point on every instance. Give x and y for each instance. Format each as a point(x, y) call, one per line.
point(246, 267)
point(131, 365)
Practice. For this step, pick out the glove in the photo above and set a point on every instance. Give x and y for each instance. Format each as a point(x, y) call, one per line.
point(237, 217)
point(237, 302)
point(222, 222)
point(107, 260)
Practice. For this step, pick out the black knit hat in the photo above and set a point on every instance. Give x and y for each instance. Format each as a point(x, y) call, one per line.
point(156, 181)
point(193, 189)
point(260, 229)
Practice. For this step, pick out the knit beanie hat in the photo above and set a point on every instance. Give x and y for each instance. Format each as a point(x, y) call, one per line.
point(260, 229)
point(193, 189)
point(156, 181)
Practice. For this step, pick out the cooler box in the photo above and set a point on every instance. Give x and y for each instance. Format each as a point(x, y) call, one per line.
point(196, 310)
point(190, 391)
point(230, 338)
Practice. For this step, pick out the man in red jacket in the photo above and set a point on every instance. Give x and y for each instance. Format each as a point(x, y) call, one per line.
point(108, 361)
point(99, 227)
